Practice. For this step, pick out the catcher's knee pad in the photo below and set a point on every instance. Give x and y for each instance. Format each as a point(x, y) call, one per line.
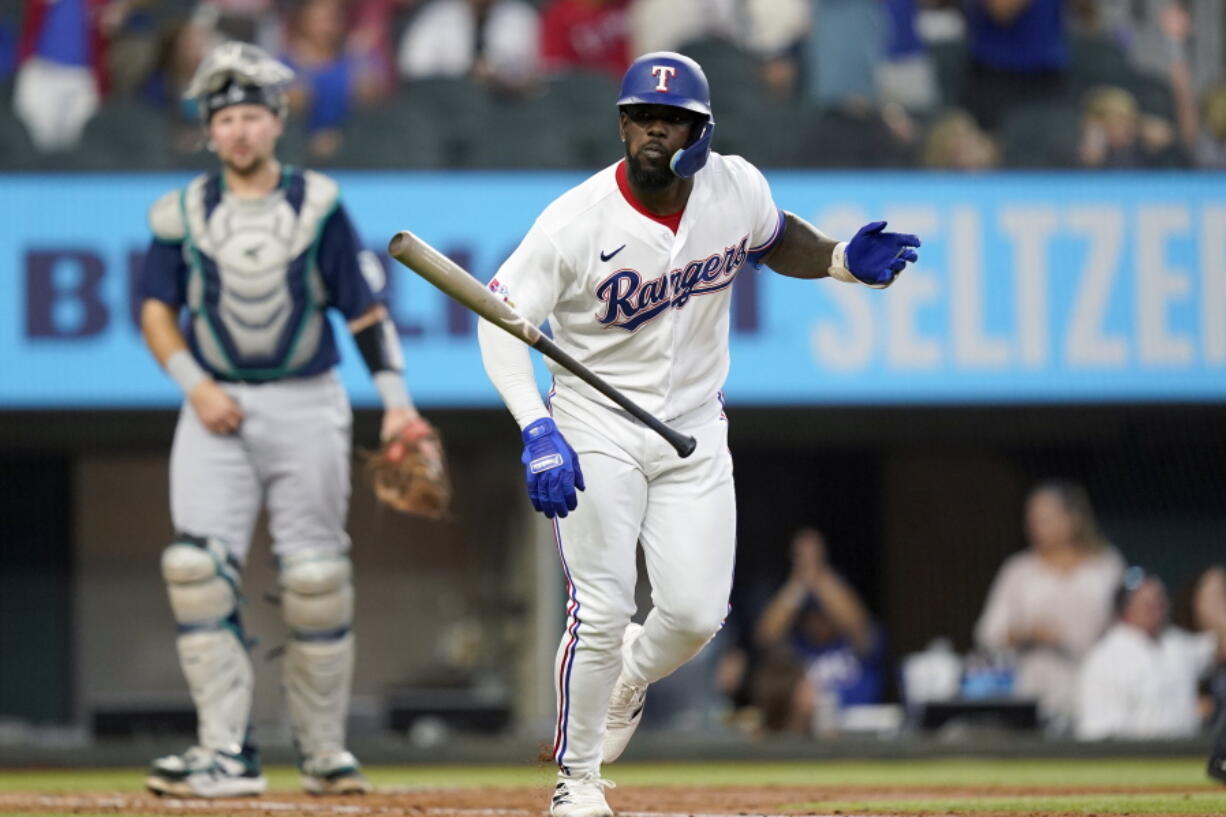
point(317, 594)
point(202, 580)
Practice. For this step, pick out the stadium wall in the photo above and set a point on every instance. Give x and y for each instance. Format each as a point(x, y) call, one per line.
point(1057, 324)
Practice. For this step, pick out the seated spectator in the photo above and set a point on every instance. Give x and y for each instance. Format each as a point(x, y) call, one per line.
point(1202, 130)
point(493, 41)
point(253, 21)
point(1018, 55)
point(1140, 681)
point(954, 141)
point(1050, 603)
point(906, 75)
point(374, 22)
point(328, 79)
point(847, 42)
point(666, 25)
point(823, 651)
point(585, 35)
point(132, 31)
point(60, 75)
point(1155, 31)
point(1115, 134)
point(180, 51)
point(774, 33)
point(771, 31)
point(779, 700)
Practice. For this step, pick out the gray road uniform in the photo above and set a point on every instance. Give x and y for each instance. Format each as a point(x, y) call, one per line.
point(254, 278)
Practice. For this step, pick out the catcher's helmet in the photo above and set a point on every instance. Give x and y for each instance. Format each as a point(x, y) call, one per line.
point(669, 78)
point(237, 73)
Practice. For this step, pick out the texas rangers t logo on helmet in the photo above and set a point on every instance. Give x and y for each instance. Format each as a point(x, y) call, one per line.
point(663, 73)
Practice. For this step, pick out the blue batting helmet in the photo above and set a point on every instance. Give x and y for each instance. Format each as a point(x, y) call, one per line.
point(669, 78)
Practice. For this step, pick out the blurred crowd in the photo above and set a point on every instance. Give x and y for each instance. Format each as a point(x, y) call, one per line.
point(1067, 629)
point(946, 84)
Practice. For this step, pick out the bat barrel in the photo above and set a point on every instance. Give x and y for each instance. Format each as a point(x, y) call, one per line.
point(399, 242)
point(409, 250)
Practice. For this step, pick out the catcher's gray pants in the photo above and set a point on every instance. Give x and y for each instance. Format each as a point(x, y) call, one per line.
point(292, 451)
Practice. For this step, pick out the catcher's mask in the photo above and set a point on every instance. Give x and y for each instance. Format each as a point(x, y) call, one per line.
point(238, 73)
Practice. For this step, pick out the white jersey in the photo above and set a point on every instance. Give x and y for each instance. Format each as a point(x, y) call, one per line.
point(645, 308)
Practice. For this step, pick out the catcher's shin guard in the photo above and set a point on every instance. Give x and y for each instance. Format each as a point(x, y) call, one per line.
point(202, 580)
point(317, 603)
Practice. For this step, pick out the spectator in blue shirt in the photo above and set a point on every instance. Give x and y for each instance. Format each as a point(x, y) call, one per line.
point(60, 79)
point(1018, 55)
point(818, 623)
point(331, 78)
point(906, 76)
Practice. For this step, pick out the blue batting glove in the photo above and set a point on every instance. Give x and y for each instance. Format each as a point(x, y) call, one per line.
point(876, 258)
point(551, 468)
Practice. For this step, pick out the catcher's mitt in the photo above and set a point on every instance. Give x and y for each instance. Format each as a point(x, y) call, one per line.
point(409, 472)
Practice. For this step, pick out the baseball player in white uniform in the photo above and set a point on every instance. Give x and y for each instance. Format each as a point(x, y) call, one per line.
point(251, 257)
point(633, 269)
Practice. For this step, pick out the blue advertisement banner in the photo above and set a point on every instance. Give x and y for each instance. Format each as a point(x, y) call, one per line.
point(1030, 288)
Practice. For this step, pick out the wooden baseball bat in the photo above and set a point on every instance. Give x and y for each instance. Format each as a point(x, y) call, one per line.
point(453, 280)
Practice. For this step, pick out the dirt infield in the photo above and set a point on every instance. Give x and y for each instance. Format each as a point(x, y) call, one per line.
point(639, 801)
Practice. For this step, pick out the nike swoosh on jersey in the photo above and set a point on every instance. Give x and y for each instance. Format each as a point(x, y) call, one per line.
point(606, 256)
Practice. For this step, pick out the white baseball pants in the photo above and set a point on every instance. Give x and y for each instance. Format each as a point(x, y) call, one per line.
point(683, 513)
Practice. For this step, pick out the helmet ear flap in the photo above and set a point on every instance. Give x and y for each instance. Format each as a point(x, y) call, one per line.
point(692, 158)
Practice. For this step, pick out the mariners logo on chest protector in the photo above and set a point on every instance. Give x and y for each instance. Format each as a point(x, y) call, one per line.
point(630, 302)
point(252, 245)
point(255, 296)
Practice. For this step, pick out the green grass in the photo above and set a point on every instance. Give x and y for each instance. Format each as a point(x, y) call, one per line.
point(1132, 772)
point(1201, 795)
point(1192, 803)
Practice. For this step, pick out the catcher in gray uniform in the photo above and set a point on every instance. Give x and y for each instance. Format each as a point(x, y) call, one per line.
point(251, 257)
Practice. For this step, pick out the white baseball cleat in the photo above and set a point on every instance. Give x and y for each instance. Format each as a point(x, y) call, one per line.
point(201, 772)
point(335, 773)
point(580, 796)
point(625, 706)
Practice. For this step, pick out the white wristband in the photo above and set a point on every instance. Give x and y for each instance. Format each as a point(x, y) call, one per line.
point(838, 265)
point(392, 390)
point(184, 370)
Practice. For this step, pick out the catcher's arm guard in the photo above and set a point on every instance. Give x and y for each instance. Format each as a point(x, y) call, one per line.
point(409, 472)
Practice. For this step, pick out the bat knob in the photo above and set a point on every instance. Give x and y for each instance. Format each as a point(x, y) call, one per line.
point(686, 446)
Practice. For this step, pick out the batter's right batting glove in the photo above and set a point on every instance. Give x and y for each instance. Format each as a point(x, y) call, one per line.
point(551, 468)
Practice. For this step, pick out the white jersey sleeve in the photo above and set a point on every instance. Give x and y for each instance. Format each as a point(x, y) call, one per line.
point(530, 280)
point(509, 367)
point(533, 278)
point(768, 219)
